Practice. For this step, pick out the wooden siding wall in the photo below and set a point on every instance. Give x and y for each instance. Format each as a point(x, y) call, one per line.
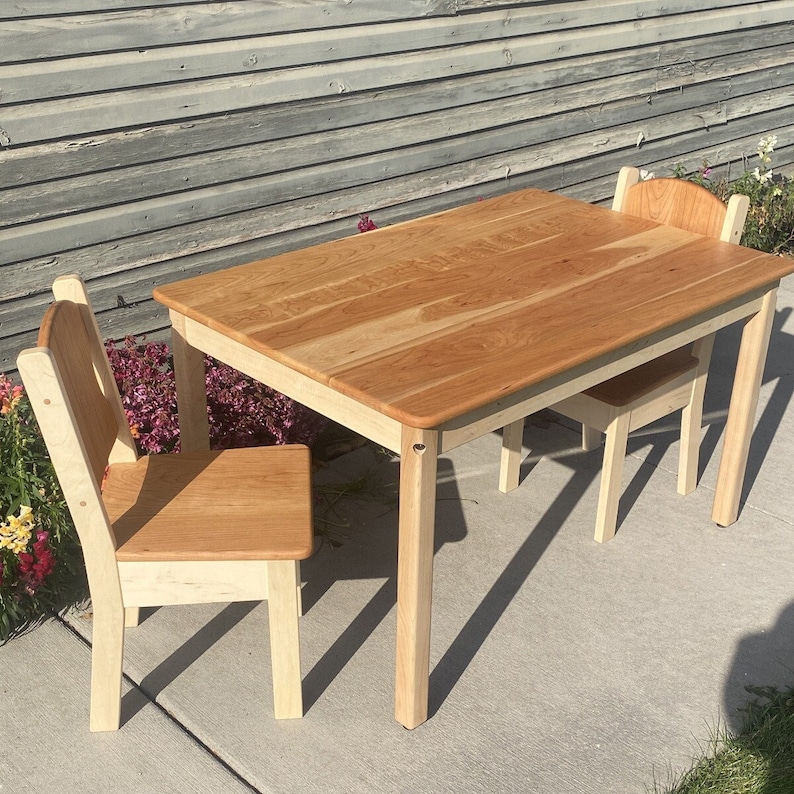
point(142, 141)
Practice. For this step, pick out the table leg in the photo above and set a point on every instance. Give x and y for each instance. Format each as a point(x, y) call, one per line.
point(741, 414)
point(191, 389)
point(418, 467)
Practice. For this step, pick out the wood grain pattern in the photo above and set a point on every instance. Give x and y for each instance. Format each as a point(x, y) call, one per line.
point(160, 510)
point(674, 203)
point(429, 319)
point(660, 386)
point(637, 382)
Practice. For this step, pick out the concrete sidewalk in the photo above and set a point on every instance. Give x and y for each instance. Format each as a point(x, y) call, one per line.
point(558, 665)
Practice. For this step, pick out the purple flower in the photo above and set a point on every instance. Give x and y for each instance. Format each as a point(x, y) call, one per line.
point(241, 411)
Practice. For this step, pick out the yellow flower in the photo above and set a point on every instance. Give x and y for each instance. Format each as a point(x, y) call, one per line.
point(16, 531)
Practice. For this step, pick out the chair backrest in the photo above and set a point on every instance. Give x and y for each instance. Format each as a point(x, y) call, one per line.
point(64, 334)
point(82, 427)
point(680, 203)
point(72, 288)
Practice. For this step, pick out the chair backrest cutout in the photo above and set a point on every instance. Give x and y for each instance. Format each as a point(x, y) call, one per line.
point(63, 332)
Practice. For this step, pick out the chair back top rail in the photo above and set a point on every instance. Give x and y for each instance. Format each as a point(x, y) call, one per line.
point(72, 288)
point(63, 332)
point(680, 203)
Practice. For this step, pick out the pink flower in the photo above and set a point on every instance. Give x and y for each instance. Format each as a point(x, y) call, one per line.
point(25, 563)
point(241, 412)
point(35, 568)
point(366, 224)
point(9, 395)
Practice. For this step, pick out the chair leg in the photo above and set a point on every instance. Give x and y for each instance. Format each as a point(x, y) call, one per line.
point(512, 438)
point(692, 419)
point(107, 653)
point(689, 455)
point(132, 617)
point(617, 435)
point(591, 438)
point(284, 638)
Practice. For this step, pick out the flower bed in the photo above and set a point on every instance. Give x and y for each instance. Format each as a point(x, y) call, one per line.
point(770, 220)
point(41, 565)
point(241, 411)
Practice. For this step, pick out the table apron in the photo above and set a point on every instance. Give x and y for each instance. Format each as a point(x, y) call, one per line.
point(336, 406)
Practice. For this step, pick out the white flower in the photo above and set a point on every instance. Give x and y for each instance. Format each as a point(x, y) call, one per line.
point(766, 146)
point(645, 175)
point(764, 177)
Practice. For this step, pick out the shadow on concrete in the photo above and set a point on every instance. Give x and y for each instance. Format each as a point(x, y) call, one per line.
point(764, 659)
point(367, 560)
point(352, 560)
point(172, 667)
point(758, 701)
point(662, 434)
point(474, 633)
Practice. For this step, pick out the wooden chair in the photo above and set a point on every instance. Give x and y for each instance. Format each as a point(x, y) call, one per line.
point(657, 388)
point(164, 529)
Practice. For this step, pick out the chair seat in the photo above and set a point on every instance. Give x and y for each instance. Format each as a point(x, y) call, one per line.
point(208, 505)
point(636, 383)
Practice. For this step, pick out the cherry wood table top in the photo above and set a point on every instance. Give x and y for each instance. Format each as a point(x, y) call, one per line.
point(426, 320)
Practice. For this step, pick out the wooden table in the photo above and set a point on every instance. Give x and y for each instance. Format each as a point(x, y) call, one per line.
point(427, 334)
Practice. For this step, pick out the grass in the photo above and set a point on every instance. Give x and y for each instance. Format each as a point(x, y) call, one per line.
point(758, 759)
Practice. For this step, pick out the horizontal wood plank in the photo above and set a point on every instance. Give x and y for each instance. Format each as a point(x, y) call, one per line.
point(59, 35)
point(183, 137)
point(713, 60)
point(72, 116)
point(149, 65)
point(515, 119)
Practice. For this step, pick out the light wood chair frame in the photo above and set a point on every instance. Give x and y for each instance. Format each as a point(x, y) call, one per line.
point(660, 387)
point(120, 587)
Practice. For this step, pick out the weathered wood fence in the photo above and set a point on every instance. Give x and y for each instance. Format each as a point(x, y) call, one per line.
point(146, 140)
